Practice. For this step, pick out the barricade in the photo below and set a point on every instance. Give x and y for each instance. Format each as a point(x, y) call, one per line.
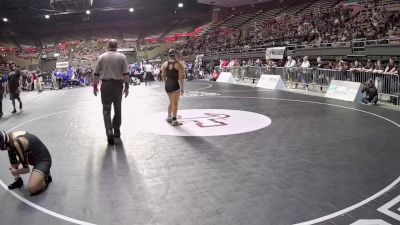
point(315, 79)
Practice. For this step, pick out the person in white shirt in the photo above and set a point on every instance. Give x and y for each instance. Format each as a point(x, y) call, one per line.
point(304, 72)
point(290, 68)
point(148, 71)
point(157, 72)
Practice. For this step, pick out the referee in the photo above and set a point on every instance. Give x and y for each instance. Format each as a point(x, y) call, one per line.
point(112, 70)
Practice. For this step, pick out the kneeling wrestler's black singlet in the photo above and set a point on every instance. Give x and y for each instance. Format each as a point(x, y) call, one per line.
point(36, 155)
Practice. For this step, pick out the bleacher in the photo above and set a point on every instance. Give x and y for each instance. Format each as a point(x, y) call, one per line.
point(265, 15)
point(319, 6)
point(316, 6)
point(390, 5)
point(215, 26)
point(237, 21)
point(297, 9)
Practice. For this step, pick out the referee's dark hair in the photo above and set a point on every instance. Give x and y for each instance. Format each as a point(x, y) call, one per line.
point(112, 45)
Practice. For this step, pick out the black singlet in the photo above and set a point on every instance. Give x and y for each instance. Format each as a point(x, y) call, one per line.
point(172, 78)
point(35, 153)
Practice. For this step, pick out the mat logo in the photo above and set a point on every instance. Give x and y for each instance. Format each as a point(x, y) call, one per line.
point(392, 208)
point(199, 94)
point(370, 222)
point(273, 79)
point(332, 88)
point(204, 122)
point(210, 120)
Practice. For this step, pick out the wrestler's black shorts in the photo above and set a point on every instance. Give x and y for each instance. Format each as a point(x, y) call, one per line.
point(43, 168)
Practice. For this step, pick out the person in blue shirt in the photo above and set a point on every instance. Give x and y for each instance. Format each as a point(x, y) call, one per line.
point(70, 74)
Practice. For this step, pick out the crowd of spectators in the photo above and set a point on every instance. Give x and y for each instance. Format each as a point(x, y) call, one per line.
point(357, 64)
point(339, 24)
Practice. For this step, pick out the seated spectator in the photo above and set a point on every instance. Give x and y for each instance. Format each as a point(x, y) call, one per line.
point(214, 76)
point(371, 93)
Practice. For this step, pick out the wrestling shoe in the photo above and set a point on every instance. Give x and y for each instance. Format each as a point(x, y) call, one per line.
point(110, 137)
point(18, 183)
point(48, 180)
point(176, 123)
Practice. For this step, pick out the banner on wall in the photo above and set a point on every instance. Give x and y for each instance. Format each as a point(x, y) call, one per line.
point(275, 53)
point(60, 65)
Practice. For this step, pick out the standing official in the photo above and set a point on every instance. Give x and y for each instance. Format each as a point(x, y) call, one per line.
point(112, 70)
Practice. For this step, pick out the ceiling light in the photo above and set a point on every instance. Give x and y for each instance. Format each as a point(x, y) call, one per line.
point(180, 5)
point(47, 16)
point(131, 10)
point(5, 19)
point(87, 12)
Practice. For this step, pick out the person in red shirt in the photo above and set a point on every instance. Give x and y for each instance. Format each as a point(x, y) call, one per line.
point(215, 76)
point(34, 77)
point(224, 64)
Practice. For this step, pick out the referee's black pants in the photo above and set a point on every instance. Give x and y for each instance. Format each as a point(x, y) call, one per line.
point(111, 94)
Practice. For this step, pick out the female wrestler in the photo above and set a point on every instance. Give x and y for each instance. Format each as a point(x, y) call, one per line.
point(173, 75)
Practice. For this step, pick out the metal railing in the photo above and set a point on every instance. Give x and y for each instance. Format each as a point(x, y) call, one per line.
point(315, 79)
point(268, 43)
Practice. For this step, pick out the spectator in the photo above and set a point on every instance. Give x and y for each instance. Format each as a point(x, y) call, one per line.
point(369, 67)
point(14, 86)
point(214, 76)
point(2, 92)
point(371, 93)
point(321, 77)
point(390, 81)
point(304, 72)
point(148, 70)
point(224, 65)
point(290, 68)
point(391, 68)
